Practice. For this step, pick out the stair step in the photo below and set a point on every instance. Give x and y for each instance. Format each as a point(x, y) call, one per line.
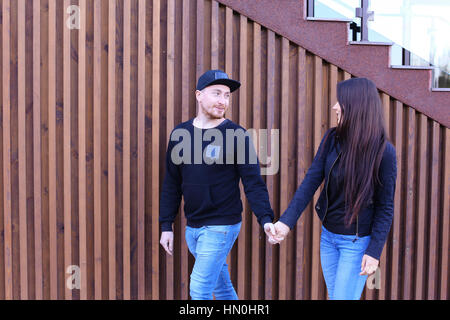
point(329, 19)
point(371, 43)
point(412, 67)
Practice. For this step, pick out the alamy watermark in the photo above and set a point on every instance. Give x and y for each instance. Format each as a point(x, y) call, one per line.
point(74, 279)
point(374, 280)
point(237, 147)
point(73, 22)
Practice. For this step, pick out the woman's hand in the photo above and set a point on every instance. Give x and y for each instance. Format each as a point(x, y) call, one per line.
point(281, 230)
point(368, 265)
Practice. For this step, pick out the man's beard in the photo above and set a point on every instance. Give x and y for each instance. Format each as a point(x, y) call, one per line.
point(213, 116)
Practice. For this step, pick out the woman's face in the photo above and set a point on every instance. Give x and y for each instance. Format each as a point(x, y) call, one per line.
point(337, 108)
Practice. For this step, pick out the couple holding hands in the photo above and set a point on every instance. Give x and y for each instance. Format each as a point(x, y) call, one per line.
point(355, 161)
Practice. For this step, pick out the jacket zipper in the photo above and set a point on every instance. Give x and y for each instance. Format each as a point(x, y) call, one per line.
point(326, 187)
point(326, 194)
point(356, 230)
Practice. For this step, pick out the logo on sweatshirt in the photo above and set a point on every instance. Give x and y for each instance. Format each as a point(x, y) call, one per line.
point(212, 151)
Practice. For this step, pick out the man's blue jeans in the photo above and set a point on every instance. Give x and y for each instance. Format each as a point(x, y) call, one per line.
point(341, 257)
point(210, 246)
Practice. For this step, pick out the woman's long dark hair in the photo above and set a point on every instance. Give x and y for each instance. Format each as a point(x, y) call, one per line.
point(361, 133)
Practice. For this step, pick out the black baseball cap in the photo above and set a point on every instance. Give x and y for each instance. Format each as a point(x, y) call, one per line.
point(211, 77)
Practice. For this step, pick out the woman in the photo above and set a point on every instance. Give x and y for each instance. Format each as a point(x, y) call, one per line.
point(356, 204)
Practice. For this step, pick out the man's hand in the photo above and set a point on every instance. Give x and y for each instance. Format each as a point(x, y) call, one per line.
point(282, 231)
point(167, 241)
point(368, 265)
point(269, 229)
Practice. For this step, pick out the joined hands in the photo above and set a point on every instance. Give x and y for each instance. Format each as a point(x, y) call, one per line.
point(277, 232)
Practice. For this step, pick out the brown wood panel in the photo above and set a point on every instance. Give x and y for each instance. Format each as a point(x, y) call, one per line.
point(421, 189)
point(2, 202)
point(257, 245)
point(316, 274)
point(242, 242)
point(383, 259)
point(67, 152)
point(37, 161)
point(85, 119)
point(82, 129)
point(433, 241)
point(271, 251)
point(112, 69)
point(7, 215)
point(397, 136)
point(284, 163)
point(186, 90)
point(126, 148)
point(155, 177)
point(97, 149)
point(23, 245)
point(52, 161)
point(408, 231)
point(445, 214)
point(170, 122)
point(302, 167)
point(141, 150)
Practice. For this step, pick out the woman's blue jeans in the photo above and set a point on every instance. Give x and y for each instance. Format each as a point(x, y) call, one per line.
point(341, 257)
point(210, 246)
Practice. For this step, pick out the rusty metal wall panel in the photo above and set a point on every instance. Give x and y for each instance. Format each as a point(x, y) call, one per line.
point(85, 118)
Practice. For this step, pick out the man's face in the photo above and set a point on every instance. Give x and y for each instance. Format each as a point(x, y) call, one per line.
point(214, 101)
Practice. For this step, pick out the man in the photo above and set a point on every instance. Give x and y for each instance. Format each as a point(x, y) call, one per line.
point(207, 174)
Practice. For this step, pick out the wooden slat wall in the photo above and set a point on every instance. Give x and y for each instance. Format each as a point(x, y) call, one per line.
point(85, 116)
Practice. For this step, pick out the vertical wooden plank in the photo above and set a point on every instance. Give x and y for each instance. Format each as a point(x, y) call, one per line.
point(82, 150)
point(302, 167)
point(214, 35)
point(59, 127)
point(155, 148)
point(256, 274)
point(347, 75)
point(52, 149)
point(186, 91)
point(284, 165)
point(97, 149)
point(316, 276)
point(112, 148)
point(332, 117)
point(200, 38)
point(445, 196)
point(170, 123)
point(22, 151)
point(141, 151)
point(126, 148)
point(229, 53)
point(421, 205)
point(104, 147)
point(2, 202)
point(383, 263)
point(409, 233)
point(37, 195)
point(28, 38)
point(270, 269)
point(67, 152)
point(7, 223)
point(397, 135)
point(308, 132)
point(242, 243)
point(433, 241)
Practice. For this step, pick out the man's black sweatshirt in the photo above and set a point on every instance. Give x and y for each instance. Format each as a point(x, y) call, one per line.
point(205, 167)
